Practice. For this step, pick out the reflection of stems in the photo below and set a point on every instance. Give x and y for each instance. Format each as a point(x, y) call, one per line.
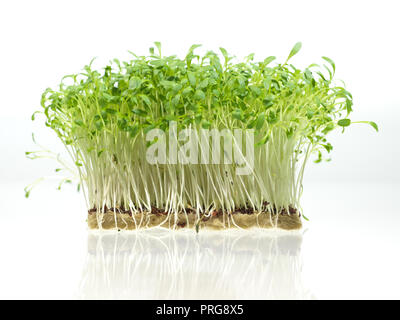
point(180, 266)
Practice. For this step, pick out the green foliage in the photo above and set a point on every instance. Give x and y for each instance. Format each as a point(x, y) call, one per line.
point(373, 125)
point(344, 122)
point(296, 48)
point(149, 91)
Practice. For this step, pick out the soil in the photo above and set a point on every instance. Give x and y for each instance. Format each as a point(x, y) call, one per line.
point(119, 218)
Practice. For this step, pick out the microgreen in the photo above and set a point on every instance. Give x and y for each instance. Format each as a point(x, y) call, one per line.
point(103, 116)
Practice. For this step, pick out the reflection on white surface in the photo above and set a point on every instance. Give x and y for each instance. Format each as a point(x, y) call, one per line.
point(158, 264)
point(350, 251)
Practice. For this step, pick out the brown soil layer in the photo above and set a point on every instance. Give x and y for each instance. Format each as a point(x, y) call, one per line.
point(216, 221)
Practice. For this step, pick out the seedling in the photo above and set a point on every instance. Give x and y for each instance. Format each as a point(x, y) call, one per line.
point(105, 118)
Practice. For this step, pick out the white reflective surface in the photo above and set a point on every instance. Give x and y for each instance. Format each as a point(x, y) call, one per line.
point(349, 249)
point(181, 265)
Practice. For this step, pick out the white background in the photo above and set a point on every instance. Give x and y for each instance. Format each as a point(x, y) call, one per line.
point(351, 246)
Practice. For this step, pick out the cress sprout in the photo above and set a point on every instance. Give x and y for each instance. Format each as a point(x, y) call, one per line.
point(102, 117)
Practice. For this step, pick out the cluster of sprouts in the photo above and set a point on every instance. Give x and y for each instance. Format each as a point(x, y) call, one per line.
point(102, 117)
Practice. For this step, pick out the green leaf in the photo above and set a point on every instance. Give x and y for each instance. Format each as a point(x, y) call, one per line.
point(329, 127)
point(269, 60)
point(107, 96)
point(192, 79)
point(310, 114)
point(146, 100)
point(272, 117)
point(344, 122)
point(206, 124)
point(328, 147)
point(158, 45)
point(176, 88)
point(251, 124)
point(264, 140)
point(98, 124)
point(319, 159)
point(374, 125)
point(330, 61)
point(139, 112)
point(79, 122)
point(267, 83)
point(198, 118)
point(260, 121)
point(203, 84)
point(186, 91)
point(289, 132)
point(256, 90)
point(216, 92)
point(176, 99)
point(237, 114)
point(224, 52)
point(134, 83)
point(250, 57)
point(349, 104)
point(167, 84)
point(111, 111)
point(133, 131)
point(78, 164)
point(158, 63)
point(33, 115)
point(199, 95)
point(193, 47)
point(296, 48)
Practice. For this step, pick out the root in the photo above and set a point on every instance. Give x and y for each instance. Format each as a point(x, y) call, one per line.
point(112, 219)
